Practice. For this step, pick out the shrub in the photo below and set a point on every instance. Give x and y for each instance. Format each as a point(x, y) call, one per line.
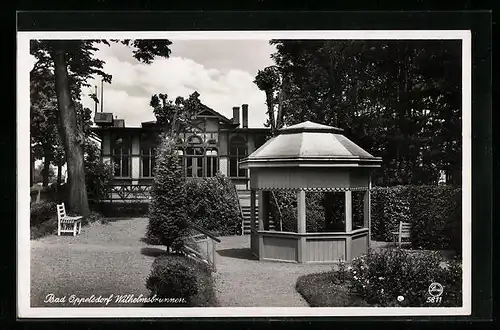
point(93, 217)
point(41, 212)
point(213, 205)
point(381, 277)
point(321, 290)
point(98, 175)
point(168, 220)
point(176, 276)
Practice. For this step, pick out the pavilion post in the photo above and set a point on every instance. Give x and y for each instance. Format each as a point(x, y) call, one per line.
point(301, 225)
point(348, 225)
point(348, 211)
point(367, 211)
point(252, 209)
point(262, 209)
point(254, 236)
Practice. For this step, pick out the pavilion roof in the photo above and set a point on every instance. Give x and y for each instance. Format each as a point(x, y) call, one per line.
point(311, 144)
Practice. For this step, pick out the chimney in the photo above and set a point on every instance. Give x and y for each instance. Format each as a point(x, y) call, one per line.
point(244, 114)
point(236, 115)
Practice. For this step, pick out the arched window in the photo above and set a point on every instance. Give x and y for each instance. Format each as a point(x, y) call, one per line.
point(121, 146)
point(237, 151)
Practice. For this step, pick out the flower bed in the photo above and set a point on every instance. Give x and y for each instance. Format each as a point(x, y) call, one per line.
point(392, 278)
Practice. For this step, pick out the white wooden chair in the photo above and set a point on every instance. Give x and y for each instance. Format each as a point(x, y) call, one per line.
point(404, 230)
point(67, 224)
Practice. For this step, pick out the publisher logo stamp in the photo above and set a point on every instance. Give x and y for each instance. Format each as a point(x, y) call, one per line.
point(435, 291)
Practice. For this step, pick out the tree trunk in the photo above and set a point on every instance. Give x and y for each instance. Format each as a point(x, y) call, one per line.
point(77, 199)
point(270, 110)
point(59, 174)
point(45, 171)
point(32, 170)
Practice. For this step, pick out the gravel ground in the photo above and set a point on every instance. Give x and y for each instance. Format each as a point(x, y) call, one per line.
point(243, 281)
point(102, 260)
point(112, 259)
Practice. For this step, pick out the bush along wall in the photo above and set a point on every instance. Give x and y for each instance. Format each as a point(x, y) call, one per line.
point(435, 213)
point(212, 204)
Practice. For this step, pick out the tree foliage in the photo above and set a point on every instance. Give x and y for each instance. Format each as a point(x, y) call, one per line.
point(175, 115)
point(400, 100)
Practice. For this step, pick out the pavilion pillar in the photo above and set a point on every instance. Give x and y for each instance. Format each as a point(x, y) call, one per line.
point(252, 208)
point(301, 225)
point(253, 231)
point(367, 212)
point(262, 209)
point(348, 224)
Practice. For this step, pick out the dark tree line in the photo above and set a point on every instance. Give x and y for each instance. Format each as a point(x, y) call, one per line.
point(401, 100)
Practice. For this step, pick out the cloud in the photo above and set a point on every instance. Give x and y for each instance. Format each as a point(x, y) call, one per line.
point(222, 84)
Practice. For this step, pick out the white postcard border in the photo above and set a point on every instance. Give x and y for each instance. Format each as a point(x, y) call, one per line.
point(24, 64)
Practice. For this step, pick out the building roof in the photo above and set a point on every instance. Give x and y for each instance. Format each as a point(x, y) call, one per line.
point(311, 144)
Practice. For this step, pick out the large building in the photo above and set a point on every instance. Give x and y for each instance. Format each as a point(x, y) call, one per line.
point(211, 143)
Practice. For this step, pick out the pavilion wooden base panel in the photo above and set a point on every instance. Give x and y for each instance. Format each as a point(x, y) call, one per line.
point(309, 247)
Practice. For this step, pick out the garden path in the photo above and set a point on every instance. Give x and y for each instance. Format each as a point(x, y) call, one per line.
point(243, 281)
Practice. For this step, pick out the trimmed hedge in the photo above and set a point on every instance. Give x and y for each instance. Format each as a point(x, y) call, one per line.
point(177, 276)
point(212, 204)
point(435, 213)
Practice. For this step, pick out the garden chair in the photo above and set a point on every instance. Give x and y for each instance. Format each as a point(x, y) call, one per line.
point(403, 232)
point(67, 224)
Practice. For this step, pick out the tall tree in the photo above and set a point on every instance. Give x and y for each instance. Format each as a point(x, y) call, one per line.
point(398, 99)
point(269, 81)
point(74, 63)
point(175, 115)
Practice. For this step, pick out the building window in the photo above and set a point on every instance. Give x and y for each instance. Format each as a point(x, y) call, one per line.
point(194, 162)
point(147, 162)
point(212, 162)
point(237, 151)
point(121, 156)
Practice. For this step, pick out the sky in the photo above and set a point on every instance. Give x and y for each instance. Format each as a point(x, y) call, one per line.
point(222, 71)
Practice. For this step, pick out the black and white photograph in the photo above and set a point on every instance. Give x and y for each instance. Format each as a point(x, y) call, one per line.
point(244, 173)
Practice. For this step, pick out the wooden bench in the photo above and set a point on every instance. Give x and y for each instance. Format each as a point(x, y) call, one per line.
point(67, 224)
point(404, 231)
